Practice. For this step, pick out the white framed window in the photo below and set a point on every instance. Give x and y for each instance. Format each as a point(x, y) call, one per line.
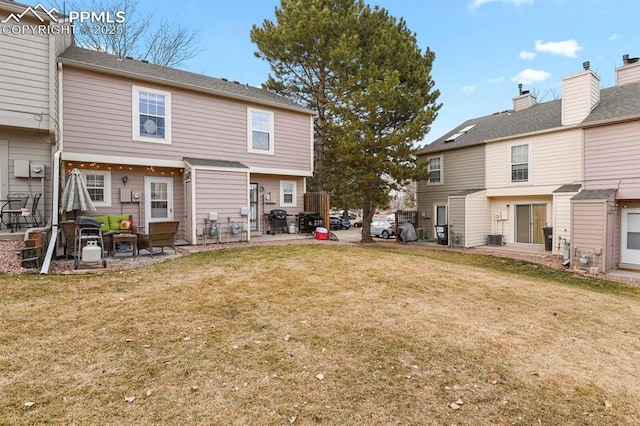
point(151, 115)
point(435, 171)
point(260, 131)
point(288, 193)
point(520, 163)
point(98, 183)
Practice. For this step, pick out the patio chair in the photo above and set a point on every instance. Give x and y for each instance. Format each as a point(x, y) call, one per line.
point(14, 207)
point(161, 234)
point(69, 233)
point(31, 218)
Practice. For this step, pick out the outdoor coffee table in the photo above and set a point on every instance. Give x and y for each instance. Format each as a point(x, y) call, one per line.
point(131, 239)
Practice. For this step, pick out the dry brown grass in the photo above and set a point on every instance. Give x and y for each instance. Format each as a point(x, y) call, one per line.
point(240, 336)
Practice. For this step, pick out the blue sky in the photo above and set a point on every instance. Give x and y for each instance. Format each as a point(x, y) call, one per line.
point(483, 48)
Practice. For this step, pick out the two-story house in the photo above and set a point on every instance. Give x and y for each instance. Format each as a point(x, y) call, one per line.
point(30, 41)
point(165, 144)
point(606, 214)
point(509, 178)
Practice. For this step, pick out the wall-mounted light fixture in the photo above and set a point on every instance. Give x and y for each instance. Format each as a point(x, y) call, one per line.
point(125, 179)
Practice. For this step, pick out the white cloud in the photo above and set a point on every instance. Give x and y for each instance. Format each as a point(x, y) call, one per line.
point(469, 89)
point(527, 55)
point(477, 3)
point(567, 48)
point(529, 76)
point(613, 37)
point(495, 80)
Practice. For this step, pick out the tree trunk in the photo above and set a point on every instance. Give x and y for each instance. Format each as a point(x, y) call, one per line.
point(367, 217)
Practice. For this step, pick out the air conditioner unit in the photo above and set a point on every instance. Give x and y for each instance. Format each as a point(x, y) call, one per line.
point(494, 240)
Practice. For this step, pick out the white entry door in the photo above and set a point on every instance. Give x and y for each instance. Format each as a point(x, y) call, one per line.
point(158, 204)
point(630, 237)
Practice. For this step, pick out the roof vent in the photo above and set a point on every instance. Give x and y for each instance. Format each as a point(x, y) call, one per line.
point(627, 60)
point(129, 57)
point(144, 60)
point(586, 65)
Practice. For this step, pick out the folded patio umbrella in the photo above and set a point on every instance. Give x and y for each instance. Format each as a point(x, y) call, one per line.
point(76, 196)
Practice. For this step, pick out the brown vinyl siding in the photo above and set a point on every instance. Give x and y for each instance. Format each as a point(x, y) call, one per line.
point(628, 74)
point(588, 233)
point(223, 192)
point(97, 109)
point(612, 158)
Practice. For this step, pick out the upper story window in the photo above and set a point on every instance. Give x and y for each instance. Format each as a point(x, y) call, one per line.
point(151, 115)
point(98, 185)
point(260, 131)
point(520, 163)
point(435, 170)
point(288, 193)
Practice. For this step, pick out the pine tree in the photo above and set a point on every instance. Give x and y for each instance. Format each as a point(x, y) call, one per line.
point(364, 73)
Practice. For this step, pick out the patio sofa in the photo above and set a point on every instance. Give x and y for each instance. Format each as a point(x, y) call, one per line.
point(113, 224)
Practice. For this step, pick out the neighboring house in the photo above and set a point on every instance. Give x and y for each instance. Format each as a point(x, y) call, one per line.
point(30, 41)
point(504, 178)
point(606, 214)
point(164, 144)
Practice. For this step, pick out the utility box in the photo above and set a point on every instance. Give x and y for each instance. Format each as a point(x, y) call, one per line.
point(21, 168)
point(213, 216)
point(244, 211)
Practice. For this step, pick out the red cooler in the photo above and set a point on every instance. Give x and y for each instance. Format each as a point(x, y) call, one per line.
point(322, 234)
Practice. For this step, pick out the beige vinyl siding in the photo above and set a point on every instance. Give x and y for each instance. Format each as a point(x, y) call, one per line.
point(24, 77)
point(476, 219)
point(580, 94)
point(98, 114)
point(561, 221)
point(612, 158)
point(588, 232)
point(555, 159)
point(25, 145)
point(457, 225)
point(223, 192)
point(462, 169)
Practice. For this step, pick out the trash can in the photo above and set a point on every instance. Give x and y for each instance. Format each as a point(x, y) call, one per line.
point(548, 238)
point(442, 232)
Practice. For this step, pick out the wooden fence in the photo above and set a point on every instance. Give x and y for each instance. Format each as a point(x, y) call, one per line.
point(318, 202)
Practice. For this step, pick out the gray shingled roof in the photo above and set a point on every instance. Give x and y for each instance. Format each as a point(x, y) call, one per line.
point(111, 64)
point(594, 194)
point(572, 187)
point(466, 192)
point(214, 163)
point(538, 117)
point(615, 102)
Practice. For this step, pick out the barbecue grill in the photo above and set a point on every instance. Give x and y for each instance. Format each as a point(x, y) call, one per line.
point(277, 221)
point(309, 221)
point(89, 245)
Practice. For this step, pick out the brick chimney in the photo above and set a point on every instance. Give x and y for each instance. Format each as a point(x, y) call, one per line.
point(580, 94)
point(629, 72)
point(524, 100)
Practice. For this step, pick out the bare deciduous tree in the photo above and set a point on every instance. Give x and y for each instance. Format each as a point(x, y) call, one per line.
point(140, 36)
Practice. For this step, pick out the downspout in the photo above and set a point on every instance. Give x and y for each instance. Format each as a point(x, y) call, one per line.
point(55, 199)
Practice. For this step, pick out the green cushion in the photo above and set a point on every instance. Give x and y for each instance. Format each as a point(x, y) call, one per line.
point(104, 222)
point(115, 219)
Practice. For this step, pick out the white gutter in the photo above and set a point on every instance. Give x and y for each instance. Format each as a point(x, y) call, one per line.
point(55, 180)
